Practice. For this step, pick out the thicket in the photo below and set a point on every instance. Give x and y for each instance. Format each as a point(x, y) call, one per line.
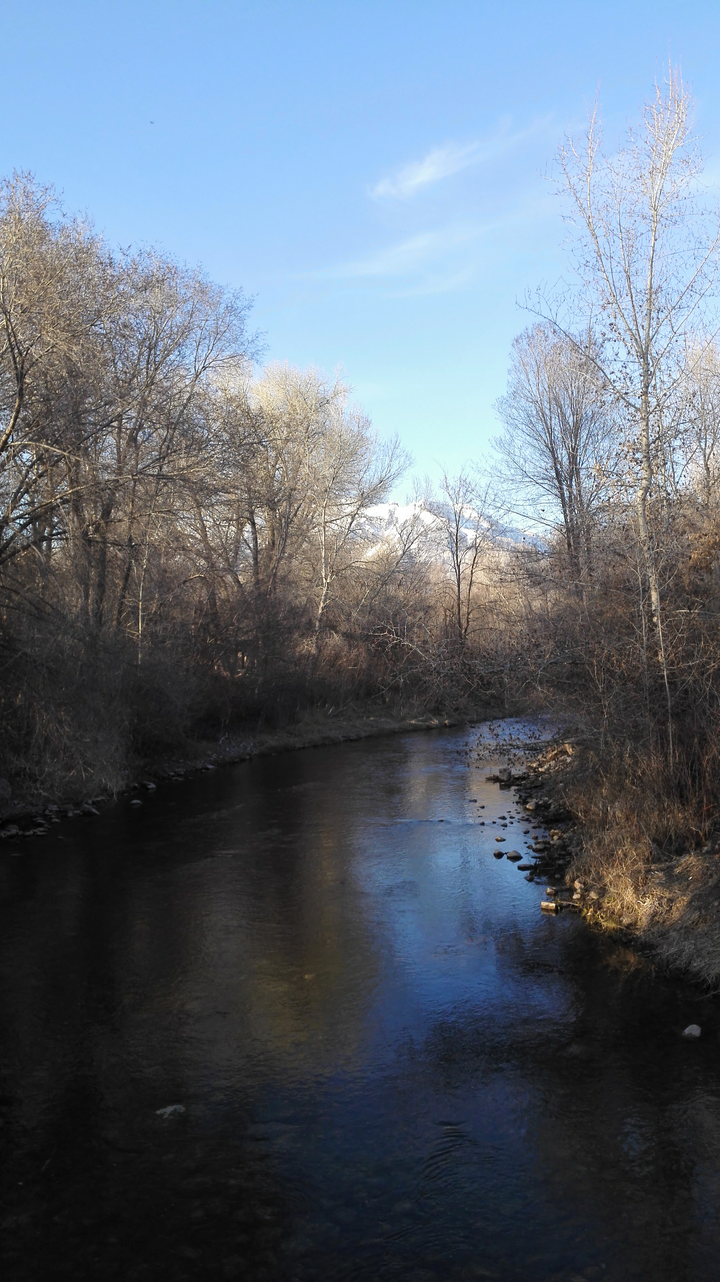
point(612, 438)
point(190, 542)
point(187, 540)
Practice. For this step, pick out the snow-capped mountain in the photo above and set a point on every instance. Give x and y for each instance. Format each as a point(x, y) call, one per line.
point(392, 522)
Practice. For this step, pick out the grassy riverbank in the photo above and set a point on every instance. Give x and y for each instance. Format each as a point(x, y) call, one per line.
point(313, 729)
point(647, 864)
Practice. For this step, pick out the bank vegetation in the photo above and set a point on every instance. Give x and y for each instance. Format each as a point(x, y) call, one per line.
point(612, 430)
point(193, 545)
point(196, 546)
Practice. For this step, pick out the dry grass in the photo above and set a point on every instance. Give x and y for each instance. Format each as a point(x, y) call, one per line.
point(316, 728)
point(652, 859)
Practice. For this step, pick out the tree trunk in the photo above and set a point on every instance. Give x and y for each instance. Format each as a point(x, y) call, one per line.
point(646, 479)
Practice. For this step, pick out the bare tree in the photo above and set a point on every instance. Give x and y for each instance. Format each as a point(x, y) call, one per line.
point(558, 430)
point(51, 300)
point(352, 471)
point(286, 413)
point(646, 256)
point(700, 434)
point(183, 537)
point(464, 530)
point(280, 515)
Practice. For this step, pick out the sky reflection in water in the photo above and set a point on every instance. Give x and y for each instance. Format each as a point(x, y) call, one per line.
point(391, 1065)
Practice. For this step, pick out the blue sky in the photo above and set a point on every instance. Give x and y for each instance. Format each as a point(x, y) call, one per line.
point(374, 174)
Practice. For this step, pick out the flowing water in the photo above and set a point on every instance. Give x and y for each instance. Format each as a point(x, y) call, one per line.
point(381, 1060)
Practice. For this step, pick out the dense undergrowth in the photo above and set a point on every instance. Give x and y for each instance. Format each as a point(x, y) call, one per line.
point(647, 861)
point(190, 544)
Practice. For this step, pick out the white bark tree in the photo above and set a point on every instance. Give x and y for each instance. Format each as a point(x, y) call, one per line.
point(646, 253)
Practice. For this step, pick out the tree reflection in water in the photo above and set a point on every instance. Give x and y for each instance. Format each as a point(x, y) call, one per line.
point(391, 1065)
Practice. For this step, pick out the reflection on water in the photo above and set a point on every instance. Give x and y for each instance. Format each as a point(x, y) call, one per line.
point(390, 1064)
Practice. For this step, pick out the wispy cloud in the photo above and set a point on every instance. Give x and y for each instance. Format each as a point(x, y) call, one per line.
point(438, 164)
point(442, 162)
point(439, 261)
point(406, 257)
point(443, 259)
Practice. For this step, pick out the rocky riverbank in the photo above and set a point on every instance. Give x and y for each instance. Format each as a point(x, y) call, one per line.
point(657, 882)
point(554, 842)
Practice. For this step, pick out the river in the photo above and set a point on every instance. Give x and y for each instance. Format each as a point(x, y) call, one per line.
point(380, 1060)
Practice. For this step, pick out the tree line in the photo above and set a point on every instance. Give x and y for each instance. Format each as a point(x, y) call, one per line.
point(187, 539)
point(190, 541)
point(611, 429)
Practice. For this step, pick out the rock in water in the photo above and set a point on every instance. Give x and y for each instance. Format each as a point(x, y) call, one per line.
point(549, 906)
point(692, 1031)
point(514, 856)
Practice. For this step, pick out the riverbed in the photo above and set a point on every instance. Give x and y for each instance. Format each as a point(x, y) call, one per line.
point(293, 1019)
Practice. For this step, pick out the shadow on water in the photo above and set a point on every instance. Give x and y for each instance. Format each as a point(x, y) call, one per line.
point(389, 1064)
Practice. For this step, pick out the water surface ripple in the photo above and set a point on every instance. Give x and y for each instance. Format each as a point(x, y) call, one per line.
point(389, 1064)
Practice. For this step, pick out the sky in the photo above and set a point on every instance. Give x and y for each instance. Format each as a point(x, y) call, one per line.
point(376, 174)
